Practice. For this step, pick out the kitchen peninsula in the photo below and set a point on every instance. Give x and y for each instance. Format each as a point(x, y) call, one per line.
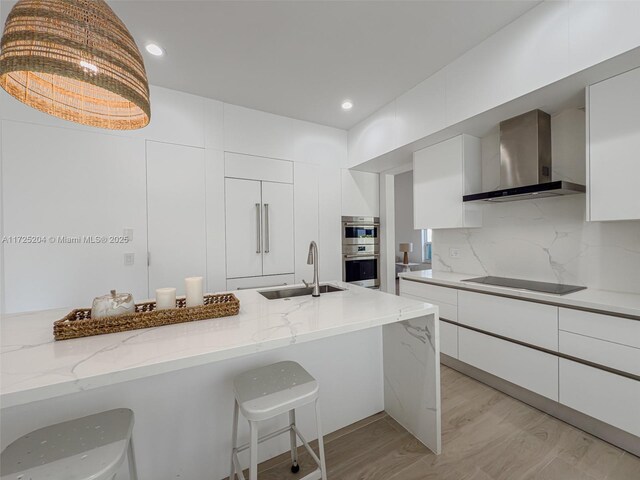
point(369, 350)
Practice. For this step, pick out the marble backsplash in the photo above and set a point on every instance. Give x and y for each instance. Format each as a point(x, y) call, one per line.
point(545, 240)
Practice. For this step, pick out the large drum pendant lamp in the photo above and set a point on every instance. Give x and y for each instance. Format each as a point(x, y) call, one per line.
point(76, 60)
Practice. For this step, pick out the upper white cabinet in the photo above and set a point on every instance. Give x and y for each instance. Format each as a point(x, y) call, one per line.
point(613, 169)
point(264, 134)
point(259, 228)
point(360, 194)
point(176, 215)
point(442, 174)
point(257, 168)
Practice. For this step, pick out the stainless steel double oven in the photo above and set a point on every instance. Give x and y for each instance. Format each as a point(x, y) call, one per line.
point(361, 251)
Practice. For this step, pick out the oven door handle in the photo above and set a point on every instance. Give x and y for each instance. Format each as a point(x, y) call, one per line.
point(364, 257)
point(362, 225)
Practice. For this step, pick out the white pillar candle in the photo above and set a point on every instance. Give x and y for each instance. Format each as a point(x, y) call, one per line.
point(193, 288)
point(165, 298)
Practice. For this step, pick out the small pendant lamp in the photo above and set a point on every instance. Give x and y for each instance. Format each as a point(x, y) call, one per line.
point(76, 60)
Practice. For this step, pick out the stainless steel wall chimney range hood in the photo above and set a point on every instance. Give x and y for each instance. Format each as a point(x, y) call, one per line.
point(525, 162)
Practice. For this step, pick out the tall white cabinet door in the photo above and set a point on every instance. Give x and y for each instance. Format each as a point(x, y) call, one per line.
point(176, 215)
point(305, 190)
point(614, 141)
point(243, 209)
point(277, 221)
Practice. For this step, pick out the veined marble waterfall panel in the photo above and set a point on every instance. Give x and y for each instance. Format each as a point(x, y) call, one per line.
point(411, 353)
point(545, 240)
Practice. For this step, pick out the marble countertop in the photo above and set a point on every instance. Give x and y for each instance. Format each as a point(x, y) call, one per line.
point(35, 367)
point(600, 300)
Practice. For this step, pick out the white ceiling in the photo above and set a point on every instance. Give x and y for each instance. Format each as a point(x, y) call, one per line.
point(302, 58)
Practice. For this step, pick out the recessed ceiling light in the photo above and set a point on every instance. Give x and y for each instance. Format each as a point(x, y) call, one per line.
point(347, 105)
point(154, 49)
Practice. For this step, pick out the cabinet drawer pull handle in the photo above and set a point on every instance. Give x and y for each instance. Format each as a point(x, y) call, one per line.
point(258, 228)
point(266, 228)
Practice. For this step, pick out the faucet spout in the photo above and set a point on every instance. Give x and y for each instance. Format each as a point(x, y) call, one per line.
point(312, 259)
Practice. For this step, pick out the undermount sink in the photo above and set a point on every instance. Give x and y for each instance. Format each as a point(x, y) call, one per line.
point(297, 292)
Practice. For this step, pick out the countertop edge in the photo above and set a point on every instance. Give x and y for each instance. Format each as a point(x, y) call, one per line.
point(559, 301)
point(17, 398)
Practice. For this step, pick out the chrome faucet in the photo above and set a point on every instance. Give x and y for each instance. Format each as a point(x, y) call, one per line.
point(312, 259)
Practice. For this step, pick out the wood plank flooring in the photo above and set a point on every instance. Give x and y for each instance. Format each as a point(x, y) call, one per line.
point(487, 435)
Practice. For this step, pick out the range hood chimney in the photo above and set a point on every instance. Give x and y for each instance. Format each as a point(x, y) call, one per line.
point(525, 162)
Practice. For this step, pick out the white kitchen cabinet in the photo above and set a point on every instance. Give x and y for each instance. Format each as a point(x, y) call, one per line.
point(176, 215)
point(257, 168)
point(306, 212)
point(260, 282)
point(330, 228)
point(243, 206)
point(449, 339)
point(216, 248)
point(445, 298)
point(268, 135)
point(612, 398)
point(529, 322)
point(442, 174)
point(532, 369)
point(597, 325)
point(609, 354)
point(360, 194)
point(277, 228)
point(613, 169)
point(259, 228)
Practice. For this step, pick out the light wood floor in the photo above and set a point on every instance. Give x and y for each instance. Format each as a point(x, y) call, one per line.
point(487, 435)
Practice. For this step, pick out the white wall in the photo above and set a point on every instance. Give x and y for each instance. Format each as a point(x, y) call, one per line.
point(405, 233)
point(550, 42)
point(61, 178)
point(546, 239)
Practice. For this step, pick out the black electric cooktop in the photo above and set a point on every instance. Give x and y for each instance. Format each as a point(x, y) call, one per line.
point(554, 288)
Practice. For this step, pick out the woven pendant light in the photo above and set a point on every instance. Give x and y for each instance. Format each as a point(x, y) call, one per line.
point(76, 60)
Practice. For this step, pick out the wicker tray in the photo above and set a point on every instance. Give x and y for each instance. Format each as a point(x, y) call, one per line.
point(78, 323)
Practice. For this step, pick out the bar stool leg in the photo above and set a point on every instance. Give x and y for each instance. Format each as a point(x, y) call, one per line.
point(234, 438)
point(295, 468)
point(323, 465)
point(133, 472)
point(253, 451)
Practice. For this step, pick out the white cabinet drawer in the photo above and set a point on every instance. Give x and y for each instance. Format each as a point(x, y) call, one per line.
point(529, 368)
point(604, 327)
point(449, 339)
point(445, 298)
point(614, 355)
point(528, 322)
point(614, 399)
point(426, 290)
point(259, 282)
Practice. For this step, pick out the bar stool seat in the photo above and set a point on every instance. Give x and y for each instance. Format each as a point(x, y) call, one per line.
point(274, 389)
point(267, 392)
point(87, 448)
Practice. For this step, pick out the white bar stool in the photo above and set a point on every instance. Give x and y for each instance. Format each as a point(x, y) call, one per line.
point(265, 393)
point(87, 448)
